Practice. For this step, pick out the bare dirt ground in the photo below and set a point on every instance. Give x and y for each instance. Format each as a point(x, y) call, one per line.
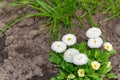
point(24, 49)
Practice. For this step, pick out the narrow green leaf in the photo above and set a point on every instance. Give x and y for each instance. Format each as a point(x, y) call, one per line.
point(54, 57)
point(111, 75)
point(54, 78)
point(61, 75)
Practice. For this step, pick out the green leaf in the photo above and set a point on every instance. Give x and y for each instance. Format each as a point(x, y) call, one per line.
point(61, 75)
point(87, 78)
point(97, 54)
point(89, 69)
point(76, 79)
point(111, 53)
point(111, 75)
point(101, 56)
point(82, 47)
point(54, 57)
point(45, 6)
point(94, 76)
point(104, 69)
point(54, 78)
point(90, 54)
point(67, 66)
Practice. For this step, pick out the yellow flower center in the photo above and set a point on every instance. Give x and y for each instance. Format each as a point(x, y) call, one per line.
point(108, 47)
point(95, 65)
point(69, 38)
point(95, 41)
point(81, 72)
point(79, 58)
point(58, 45)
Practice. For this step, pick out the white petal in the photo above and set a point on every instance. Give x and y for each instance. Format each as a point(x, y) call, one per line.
point(58, 46)
point(68, 55)
point(95, 43)
point(69, 39)
point(108, 46)
point(80, 59)
point(93, 32)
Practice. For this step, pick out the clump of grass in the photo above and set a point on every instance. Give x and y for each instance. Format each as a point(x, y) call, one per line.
point(108, 7)
point(60, 13)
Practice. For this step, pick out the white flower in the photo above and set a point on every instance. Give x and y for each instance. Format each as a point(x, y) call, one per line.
point(108, 64)
point(69, 53)
point(80, 59)
point(58, 46)
point(69, 39)
point(93, 32)
point(108, 46)
point(71, 76)
point(81, 73)
point(95, 43)
point(95, 65)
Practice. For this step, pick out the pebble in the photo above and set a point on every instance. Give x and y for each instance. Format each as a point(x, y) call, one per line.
point(117, 29)
point(9, 40)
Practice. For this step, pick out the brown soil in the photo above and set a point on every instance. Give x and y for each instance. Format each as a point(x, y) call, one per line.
point(24, 49)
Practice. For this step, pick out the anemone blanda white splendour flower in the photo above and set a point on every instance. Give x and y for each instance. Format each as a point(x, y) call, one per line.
point(81, 73)
point(58, 46)
point(108, 46)
point(95, 43)
point(93, 32)
point(95, 65)
point(70, 76)
point(80, 59)
point(69, 39)
point(69, 53)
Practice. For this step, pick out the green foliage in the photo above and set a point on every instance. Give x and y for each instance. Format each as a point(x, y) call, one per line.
point(17, 20)
point(111, 75)
point(101, 56)
point(106, 6)
point(59, 13)
point(55, 58)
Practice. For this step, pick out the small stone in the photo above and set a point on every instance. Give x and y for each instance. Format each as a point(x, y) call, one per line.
point(117, 29)
point(10, 57)
point(29, 75)
point(28, 22)
point(33, 33)
point(9, 40)
point(8, 32)
point(5, 60)
point(38, 71)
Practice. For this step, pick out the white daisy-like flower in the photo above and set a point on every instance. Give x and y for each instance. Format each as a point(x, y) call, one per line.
point(95, 43)
point(69, 39)
point(58, 46)
point(95, 65)
point(108, 46)
point(80, 59)
point(93, 32)
point(69, 53)
point(70, 76)
point(81, 73)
